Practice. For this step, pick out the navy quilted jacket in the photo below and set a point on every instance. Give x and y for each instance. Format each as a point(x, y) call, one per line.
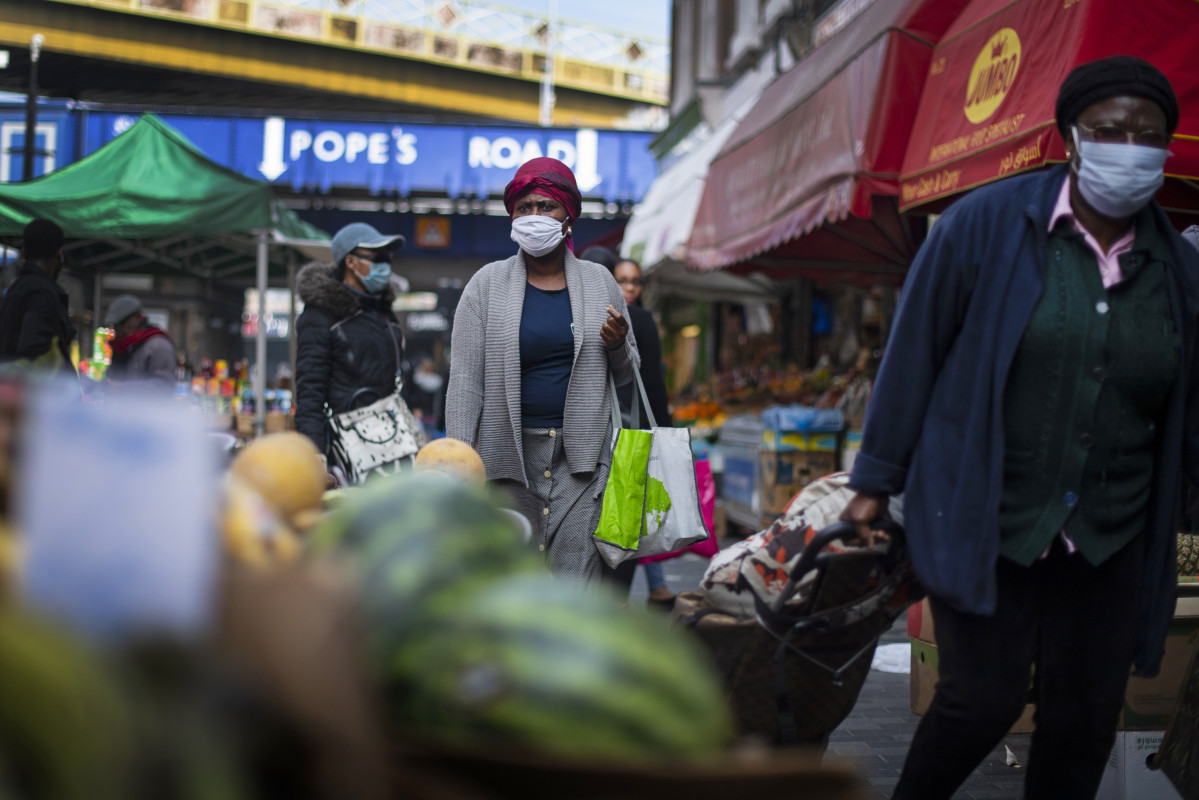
point(934, 427)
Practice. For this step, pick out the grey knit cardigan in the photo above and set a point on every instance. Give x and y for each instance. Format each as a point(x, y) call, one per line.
point(483, 403)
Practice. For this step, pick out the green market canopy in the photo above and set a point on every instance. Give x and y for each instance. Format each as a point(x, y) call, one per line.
point(150, 201)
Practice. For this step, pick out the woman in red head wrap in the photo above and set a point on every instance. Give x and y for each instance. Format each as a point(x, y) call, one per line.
point(547, 177)
point(535, 340)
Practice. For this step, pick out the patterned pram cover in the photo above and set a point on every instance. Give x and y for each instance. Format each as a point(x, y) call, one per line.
point(792, 616)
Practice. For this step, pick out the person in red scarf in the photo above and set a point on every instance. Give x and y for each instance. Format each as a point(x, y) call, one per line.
point(142, 354)
point(535, 339)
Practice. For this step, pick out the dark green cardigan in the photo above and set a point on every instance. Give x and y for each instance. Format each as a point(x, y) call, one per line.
point(1085, 400)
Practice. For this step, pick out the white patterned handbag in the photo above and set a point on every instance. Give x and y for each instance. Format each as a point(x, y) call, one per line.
point(375, 440)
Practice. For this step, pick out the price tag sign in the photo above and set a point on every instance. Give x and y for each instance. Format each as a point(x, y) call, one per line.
point(116, 505)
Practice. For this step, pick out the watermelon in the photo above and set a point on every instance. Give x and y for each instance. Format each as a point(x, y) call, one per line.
point(360, 516)
point(418, 543)
point(474, 642)
point(531, 661)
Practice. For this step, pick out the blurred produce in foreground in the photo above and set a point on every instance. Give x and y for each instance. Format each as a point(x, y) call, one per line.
point(474, 642)
point(183, 625)
point(455, 458)
point(272, 494)
point(65, 731)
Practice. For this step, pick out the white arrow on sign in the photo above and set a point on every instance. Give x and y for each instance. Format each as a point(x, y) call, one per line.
point(586, 159)
point(272, 165)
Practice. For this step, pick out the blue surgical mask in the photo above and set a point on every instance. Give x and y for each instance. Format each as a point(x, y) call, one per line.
point(377, 279)
point(1118, 180)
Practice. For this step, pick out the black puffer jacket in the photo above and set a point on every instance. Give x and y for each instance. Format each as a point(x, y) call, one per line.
point(349, 350)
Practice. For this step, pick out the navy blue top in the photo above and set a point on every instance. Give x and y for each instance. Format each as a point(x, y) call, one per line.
point(547, 351)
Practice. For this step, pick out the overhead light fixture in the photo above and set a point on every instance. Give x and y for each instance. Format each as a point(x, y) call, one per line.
point(3, 59)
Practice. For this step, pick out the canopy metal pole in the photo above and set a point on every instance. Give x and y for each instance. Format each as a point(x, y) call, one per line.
point(97, 312)
point(292, 341)
point(30, 151)
point(260, 339)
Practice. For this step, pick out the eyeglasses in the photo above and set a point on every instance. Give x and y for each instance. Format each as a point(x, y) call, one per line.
point(1113, 134)
point(629, 282)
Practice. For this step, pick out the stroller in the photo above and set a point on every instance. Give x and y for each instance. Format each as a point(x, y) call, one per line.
point(794, 673)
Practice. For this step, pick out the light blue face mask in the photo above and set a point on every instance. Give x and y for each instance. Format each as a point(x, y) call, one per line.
point(377, 279)
point(1118, 180)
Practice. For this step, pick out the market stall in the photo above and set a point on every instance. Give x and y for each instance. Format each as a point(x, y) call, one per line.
point(806, 184)
point(657, 233)
point(987, 109)
point(150, 201)
point(804, 191)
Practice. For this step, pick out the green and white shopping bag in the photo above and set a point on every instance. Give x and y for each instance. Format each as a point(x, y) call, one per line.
point(651, 502)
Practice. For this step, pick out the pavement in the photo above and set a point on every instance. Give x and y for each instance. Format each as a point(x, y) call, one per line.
point(876, 734)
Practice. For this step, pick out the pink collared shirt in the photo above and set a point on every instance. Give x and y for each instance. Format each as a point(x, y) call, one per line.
point(1109, 271)
point(1109, 262)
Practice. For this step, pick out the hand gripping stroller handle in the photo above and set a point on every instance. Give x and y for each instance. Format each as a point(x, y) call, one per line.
point(812, 550)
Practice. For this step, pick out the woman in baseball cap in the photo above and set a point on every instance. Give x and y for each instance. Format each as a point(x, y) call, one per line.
point(349, 343)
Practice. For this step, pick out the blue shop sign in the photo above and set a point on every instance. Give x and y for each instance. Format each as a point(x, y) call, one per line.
point(402, 158)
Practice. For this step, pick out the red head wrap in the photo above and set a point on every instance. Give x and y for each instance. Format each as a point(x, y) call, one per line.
point(547, 176)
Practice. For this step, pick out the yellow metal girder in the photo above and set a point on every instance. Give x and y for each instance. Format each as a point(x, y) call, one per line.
point(160, 44)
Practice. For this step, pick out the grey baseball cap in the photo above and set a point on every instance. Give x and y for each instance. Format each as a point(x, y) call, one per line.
point(121, 309)
point(359, 234)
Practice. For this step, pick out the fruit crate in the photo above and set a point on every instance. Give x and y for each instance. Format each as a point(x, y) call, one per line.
point(741, 482)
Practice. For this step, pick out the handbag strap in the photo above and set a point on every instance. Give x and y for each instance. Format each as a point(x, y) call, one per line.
point(614, 408)
point(399, 384)
point(649, 412)
point(614, 405)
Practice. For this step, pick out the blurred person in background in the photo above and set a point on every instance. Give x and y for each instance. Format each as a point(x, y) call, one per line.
point(33, 314)
point(535, 338)
point(143, 355)
point(427, 391)
point(628, 276)
point(350, 347)
point(1038, 404)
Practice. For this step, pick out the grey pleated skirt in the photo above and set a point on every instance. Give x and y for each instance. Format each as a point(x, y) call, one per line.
point(563, 508)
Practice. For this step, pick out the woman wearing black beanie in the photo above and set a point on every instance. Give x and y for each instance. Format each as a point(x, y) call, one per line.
point(1037, 405)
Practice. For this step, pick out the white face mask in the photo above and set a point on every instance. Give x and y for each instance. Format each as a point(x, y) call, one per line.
point(1118, 180)
point(428, 382)
point(537, 234)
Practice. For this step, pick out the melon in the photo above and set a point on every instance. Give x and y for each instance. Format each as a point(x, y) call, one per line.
point(252, 531)
point(66, 728)
point(11, 559)
point(418, 542)
point(452, 457)
point(285, 468)
point(531, 661)
point(472, 641)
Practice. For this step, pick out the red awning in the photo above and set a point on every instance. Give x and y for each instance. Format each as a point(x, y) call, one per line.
point(987, 110)
point(822, 144)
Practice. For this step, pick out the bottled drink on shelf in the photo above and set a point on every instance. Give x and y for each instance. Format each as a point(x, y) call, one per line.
point(227, 404)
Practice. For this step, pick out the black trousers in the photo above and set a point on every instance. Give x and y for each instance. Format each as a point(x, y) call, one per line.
point(1078, 624)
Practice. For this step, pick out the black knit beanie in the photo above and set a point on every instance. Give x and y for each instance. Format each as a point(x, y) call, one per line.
point(1117, 76)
